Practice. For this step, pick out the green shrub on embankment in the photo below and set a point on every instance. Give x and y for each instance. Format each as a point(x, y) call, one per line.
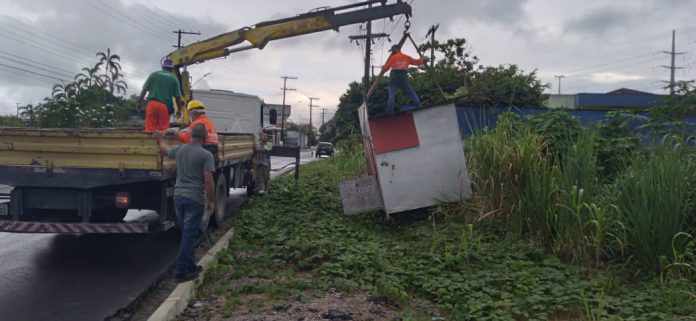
point(295, 243)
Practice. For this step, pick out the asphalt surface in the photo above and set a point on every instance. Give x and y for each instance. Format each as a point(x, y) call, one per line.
point(87, 277)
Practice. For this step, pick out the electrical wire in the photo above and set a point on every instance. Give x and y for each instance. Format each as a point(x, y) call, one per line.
point(26, 76)
point(35, 62)
point(122, 20)
point(42, 69)
point(32, 72)
point(119, 10)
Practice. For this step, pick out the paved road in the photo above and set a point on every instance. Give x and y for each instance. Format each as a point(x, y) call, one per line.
point(85, 277)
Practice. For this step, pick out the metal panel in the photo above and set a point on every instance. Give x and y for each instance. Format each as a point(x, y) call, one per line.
point(232, 112)
point(360, 195)
point(431, 173)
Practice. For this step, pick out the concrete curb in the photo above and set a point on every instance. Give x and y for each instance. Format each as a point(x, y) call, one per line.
point(180, 298)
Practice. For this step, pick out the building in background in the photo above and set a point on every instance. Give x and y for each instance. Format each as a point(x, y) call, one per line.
point(273, 131)
point(623, 98)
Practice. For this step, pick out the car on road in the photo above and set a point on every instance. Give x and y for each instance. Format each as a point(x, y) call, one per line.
point(324, 148)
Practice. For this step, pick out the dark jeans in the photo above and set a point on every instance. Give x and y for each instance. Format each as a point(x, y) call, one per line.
point(189, 215)
point(396, 83)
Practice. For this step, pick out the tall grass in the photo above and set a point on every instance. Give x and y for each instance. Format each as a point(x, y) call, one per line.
point(654, 197)
point(349, 159)
point(560, 197)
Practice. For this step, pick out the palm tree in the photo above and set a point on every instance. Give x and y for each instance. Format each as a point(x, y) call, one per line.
point(59, 91)
point(89, 77)
point(111, 62)
point(29, 113)
point(117, 84)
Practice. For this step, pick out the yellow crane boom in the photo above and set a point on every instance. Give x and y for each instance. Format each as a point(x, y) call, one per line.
point(259, 35)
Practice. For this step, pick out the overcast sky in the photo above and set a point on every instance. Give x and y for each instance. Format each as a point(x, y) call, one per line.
point(598, 45)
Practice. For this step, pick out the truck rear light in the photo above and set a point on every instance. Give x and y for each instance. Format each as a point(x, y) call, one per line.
point(122, 200)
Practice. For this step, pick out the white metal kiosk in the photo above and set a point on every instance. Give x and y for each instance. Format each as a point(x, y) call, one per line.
point(415, 159)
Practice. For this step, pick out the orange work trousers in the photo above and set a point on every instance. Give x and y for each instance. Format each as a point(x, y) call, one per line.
point(156, 116)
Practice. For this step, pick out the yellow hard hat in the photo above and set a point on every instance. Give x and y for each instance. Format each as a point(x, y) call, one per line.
point(195, 104)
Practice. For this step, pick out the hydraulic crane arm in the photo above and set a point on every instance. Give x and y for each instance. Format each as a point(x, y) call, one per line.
point(260, 34)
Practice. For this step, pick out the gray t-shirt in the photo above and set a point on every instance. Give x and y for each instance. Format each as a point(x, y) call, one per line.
point(191, 162)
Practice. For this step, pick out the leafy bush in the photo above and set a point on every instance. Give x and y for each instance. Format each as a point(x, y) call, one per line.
point(618, 141)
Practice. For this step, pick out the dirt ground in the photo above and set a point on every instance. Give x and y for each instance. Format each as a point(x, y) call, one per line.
point(333, 305)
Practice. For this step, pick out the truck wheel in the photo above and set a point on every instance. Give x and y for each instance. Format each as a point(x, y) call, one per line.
point(250, 189)
point(205, 221)
point(109, 215)
point(221, 190)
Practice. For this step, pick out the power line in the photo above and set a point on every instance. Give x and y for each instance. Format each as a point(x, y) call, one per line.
point(32, 72)
point(26, 76)
point(24, 64)
point(145, 30)
point(62, 41)
point(35, 62)
point(577, 71)
point(126, 15)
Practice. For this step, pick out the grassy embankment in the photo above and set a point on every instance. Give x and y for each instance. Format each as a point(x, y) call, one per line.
point(548, 236)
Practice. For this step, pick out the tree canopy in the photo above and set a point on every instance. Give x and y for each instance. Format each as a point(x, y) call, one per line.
point(94, 99)
point(455, 67)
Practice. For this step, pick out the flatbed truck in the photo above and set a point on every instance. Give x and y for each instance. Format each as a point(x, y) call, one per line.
point(85, 180)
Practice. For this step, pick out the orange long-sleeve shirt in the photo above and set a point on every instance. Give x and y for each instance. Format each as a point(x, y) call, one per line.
point(401, 61)
point(211, 138)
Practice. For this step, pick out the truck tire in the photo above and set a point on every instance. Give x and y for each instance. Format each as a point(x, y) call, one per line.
point(221, 191)
point(109, 215)
point(251, 189)
point(205, 221)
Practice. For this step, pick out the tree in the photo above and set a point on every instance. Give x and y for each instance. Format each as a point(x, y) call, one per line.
point(89, 101)
point(29, 114)
point(89, 77)
point(501, 86)
point(505, 86)
point(63, 90)
point(112, 70)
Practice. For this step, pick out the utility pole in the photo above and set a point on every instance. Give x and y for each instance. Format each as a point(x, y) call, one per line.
point(323, 112)
point(431, 33)
point(181, 32)
point(368, 36)
point(18, 110)
point(672, 67)
point(282, 117)
point(559, 82)
point(311, 105)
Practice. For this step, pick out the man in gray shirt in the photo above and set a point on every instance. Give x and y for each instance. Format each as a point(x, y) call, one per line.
point(194, 179)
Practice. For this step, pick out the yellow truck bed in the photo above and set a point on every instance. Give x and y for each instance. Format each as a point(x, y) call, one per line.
point(119, 149)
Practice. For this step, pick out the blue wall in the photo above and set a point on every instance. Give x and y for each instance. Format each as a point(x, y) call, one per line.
point(645, 100)
point(473, 118)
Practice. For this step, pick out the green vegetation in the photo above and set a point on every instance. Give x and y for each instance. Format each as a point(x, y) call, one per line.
point(563, 186)
point(91, 100)
point(460, 261)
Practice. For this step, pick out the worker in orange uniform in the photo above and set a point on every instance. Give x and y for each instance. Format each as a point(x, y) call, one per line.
point(161, 87)
point(398, 62)
point(196, 110)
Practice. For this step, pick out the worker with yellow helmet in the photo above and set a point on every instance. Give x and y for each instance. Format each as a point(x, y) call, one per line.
point(196, 111)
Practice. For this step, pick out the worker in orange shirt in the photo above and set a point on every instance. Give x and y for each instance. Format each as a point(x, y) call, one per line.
point(399, 62)
point(196, 110)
